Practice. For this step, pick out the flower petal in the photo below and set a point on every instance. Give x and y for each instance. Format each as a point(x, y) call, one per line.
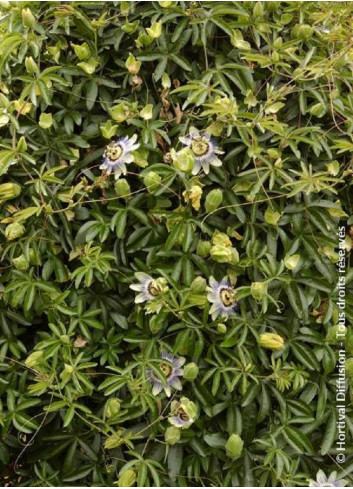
point(142, 276)
point(321, 477)
point(157, 388)
point(176, 384)
point(141, 298)
point(177, 421)
point(216, 162)
point(197, 168)
point(332, 477)
point(179, 362)
point(136, 287)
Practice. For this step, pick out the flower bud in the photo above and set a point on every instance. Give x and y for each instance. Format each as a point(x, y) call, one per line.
point(273, 153)
point(349, 368)
point(109, 130)
point(235, 256)
point(278, 43)
point(271, 341)
point(221, 239)
point(302, 32)
point(143, 40)
point(65, 339)
point(125, 7)
point(9, 191)
point(165, 4)
point(14, 230)
point(221, 328)
point(28, 19)
point(194, 196)
point(132, 64)
point(172, 435)
point(31, 65)
point(127, 478)
point(130, 27)
point(45, 121)
point(88, 66)
point(275, 56)
point(122, 189)
point(330, 253)
point(166, 82)
point(183, 160)
point(21, 262)
point(258, 290)
point(203, 248)
point(191, 371)
point(234, 446)
point(221, 254)
point(33, 358)
point(291, 261)
point(198, 285)
point(112, 407)
point(155, 30)
point(120, 112)
point(147, 112)
point(82, 51)
point(271, 217)
point(213, 200)
point(68, 369)
point(333, 168)
point(152, 181)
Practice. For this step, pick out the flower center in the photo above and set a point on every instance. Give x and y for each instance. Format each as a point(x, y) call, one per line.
point(166, 369)
point(182, 414)
point(327, 485)
point(227, 297)
point(200, 146)
point(114, 152)
point(153, 289)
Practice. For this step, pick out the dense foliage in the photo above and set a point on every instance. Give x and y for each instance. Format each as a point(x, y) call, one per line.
point(218, 366)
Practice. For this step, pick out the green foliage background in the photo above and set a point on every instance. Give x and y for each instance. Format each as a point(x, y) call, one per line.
point(272, 81)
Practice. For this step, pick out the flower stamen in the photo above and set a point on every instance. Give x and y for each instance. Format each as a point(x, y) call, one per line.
point(200, 146)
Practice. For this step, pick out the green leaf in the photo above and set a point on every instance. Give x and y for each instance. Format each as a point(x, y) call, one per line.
point(297, 440)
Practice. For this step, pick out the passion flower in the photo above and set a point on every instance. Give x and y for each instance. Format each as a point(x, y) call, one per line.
point(148, 287)
point(222, 296)
point(171, 369)
point(204, 150)
point(118, 154)
point(323, 481)
point(183, 413)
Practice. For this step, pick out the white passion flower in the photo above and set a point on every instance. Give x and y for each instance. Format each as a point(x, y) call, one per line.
point(118, 154)
point(171, 368)
point(323, 481)
point(149, 288)
point(204, 150)
point(222, 296)
point(183, 413)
